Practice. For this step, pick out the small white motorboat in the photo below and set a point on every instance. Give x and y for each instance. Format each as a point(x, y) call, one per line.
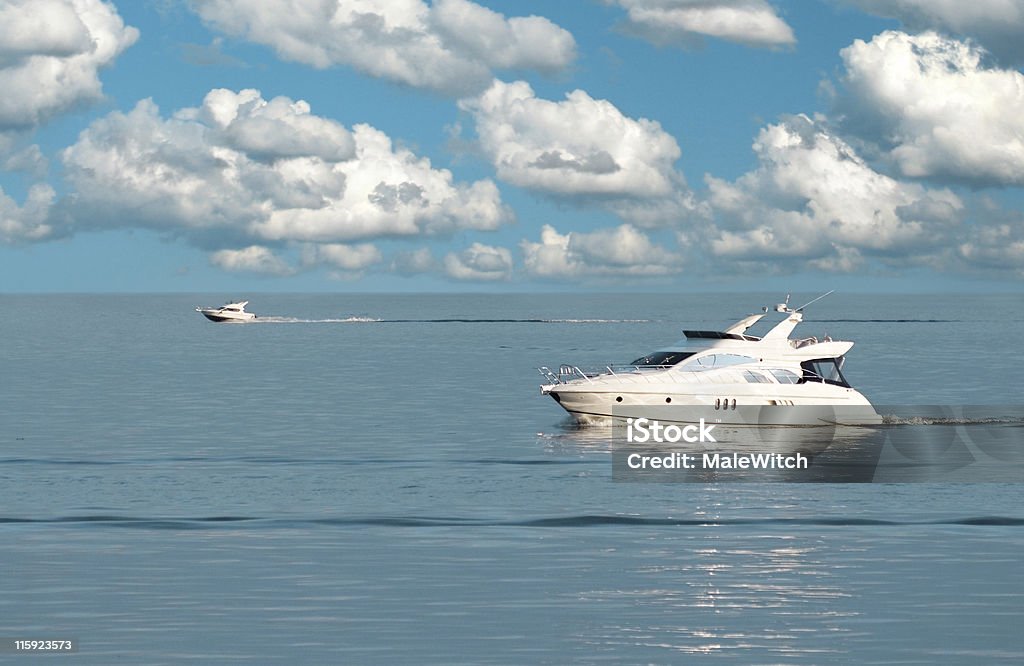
point(233, 312)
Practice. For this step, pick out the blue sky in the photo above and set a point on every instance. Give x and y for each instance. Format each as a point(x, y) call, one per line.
point(407, 145)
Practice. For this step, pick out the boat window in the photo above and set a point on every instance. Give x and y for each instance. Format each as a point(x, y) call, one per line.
point(824, 370)
point(663, 358)
point(718, 335)
point(785, 376)
point(714, 361)
point(755, 377)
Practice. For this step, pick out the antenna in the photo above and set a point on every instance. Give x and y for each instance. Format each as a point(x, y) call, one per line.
point(800, 309)
point(783, 307)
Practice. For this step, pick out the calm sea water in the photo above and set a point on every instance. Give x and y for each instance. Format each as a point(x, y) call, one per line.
point(324, 487)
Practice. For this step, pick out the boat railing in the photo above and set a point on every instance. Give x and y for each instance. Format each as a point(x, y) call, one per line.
point(568, 373)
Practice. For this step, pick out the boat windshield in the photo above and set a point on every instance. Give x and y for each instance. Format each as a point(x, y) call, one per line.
point(714, 361)
point(824, 370)
point(663, 358)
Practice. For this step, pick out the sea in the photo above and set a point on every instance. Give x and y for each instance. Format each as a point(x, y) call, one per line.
point(376, 479)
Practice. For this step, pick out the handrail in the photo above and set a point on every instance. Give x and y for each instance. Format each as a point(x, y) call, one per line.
point(567, 373)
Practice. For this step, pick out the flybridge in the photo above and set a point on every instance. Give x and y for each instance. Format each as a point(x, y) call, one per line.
point(738, 330)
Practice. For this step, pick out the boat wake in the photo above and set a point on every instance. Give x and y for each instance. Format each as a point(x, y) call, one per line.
point(458, 320)
point(297, 320)
point(902, 420)
point(596, 321)
point(467, 320)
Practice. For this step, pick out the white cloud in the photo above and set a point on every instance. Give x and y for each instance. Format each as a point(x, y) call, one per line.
point(994, 243)
point(273, 130)
point(685, 22)
point(352, 258)
point(623, 251)
point(252, 259)
point(938, 111)
point(996, 24)
point(479, 262)
point(27, 222)
point(451, 46)
point(813, 199)
point(210, 172)
point(531, 42)
point(579, 147)
point(50, 54)
point(28, 159)
point(997, 247)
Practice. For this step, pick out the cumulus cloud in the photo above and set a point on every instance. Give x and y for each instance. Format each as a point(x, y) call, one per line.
point(997, 248)
point(28, 159)
point(350, 258)
point(449, 46)
point(996, 24)
point(934, 108)
point(686, 22)
point(623, 251)
point(280, 128)
point(479, 262)
point(814, 201)
point(27, 222)
point(578, 147)
point(252, 259)
point(50, 54)
point(993, 244)
point(243, 168)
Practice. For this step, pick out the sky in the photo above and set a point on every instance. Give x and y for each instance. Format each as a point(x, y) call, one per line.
point(511, 145)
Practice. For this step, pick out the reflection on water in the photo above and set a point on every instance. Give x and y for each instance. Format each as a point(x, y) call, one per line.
point(782, 586)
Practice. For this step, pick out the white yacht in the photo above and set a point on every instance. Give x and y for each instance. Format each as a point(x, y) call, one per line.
point(234, 312)
point(723, 373)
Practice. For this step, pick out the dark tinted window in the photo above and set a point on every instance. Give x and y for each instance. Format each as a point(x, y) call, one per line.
point(824, 370)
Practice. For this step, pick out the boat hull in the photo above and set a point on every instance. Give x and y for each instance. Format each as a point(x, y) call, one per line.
point(221, 318)
point(847, 406)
